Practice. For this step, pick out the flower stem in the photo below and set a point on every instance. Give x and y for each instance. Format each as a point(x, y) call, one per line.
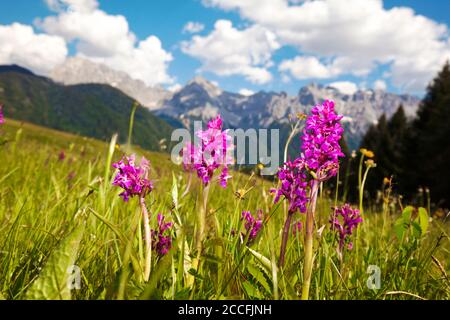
point(287, 227)
point(200, 230)
point(361, 188)
point(148, 238)
point(292, 134)
point(337, 188)
point(188, 186)
point(130, 128)
point(309, 237)
point(363, 183)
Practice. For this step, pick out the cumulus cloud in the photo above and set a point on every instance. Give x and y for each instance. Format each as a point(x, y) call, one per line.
point(306, 68)
point(175, 87)
point(37, 52)
point(193, 27)
point(345, 87)
point(380, 85)
point(356, 34)
point(310, 67)
point(246, 92)
point(227, 51)
point(107, 39)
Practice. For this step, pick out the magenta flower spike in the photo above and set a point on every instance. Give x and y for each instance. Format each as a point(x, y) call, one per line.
point(318, 162)
point(62, 156)
point(343, 222)
point(133, 178)
point(213, 153)
point(321, 149)
point(321, 153)
point(2, 119)
point(294, 182)
point(162, 243)
point(188, 154)
point(252, 225)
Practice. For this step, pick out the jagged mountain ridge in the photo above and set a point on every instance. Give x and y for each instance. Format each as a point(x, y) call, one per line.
point(81, 71)
point(200, 99)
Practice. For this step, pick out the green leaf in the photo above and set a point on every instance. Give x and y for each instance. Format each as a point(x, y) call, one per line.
point(423, 220)
point(251, 291)
point(111, 226)
point(265, 262)
point(56, 186)
point(174, 191)
point(8, 174)
point(112, 148)
point(407, 213)
point(213, 258)
point(52, 283)
point(259, 276)
point(122, 238)
point(152, 291)
point(417, 230)
point(196, 274)
point(399, 228)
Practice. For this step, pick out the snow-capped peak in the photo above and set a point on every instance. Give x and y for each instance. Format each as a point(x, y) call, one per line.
point(212, 89)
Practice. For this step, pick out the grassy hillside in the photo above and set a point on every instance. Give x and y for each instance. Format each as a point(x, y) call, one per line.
point(57, 211)
point(90, 110)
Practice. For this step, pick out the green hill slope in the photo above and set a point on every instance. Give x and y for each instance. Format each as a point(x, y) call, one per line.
point(90, 110)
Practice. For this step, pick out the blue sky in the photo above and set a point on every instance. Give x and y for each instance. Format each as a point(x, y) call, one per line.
point(285, 62)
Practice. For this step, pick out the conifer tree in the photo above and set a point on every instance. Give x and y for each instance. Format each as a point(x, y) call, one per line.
point(428, 142)
point(387, 141)
point(377, 140)
point(394, 166)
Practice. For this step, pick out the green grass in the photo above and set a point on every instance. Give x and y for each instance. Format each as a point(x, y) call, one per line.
point(55, 213)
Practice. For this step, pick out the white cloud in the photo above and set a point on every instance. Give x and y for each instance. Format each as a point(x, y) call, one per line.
point(19, 44)
point(345, 87)
point(193, 27)
point(380, 85)
point(107, 39)
point(246, 92)
point(227, 51)
point(356, 34)
point(174, 88)
point(305, 68)
point(309, 67)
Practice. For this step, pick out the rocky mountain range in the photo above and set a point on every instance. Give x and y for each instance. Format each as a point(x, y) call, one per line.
point(200, 99)
point(81, 71)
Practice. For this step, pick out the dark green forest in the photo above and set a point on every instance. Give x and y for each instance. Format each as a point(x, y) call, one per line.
point(415, 153)
point(91, 110)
